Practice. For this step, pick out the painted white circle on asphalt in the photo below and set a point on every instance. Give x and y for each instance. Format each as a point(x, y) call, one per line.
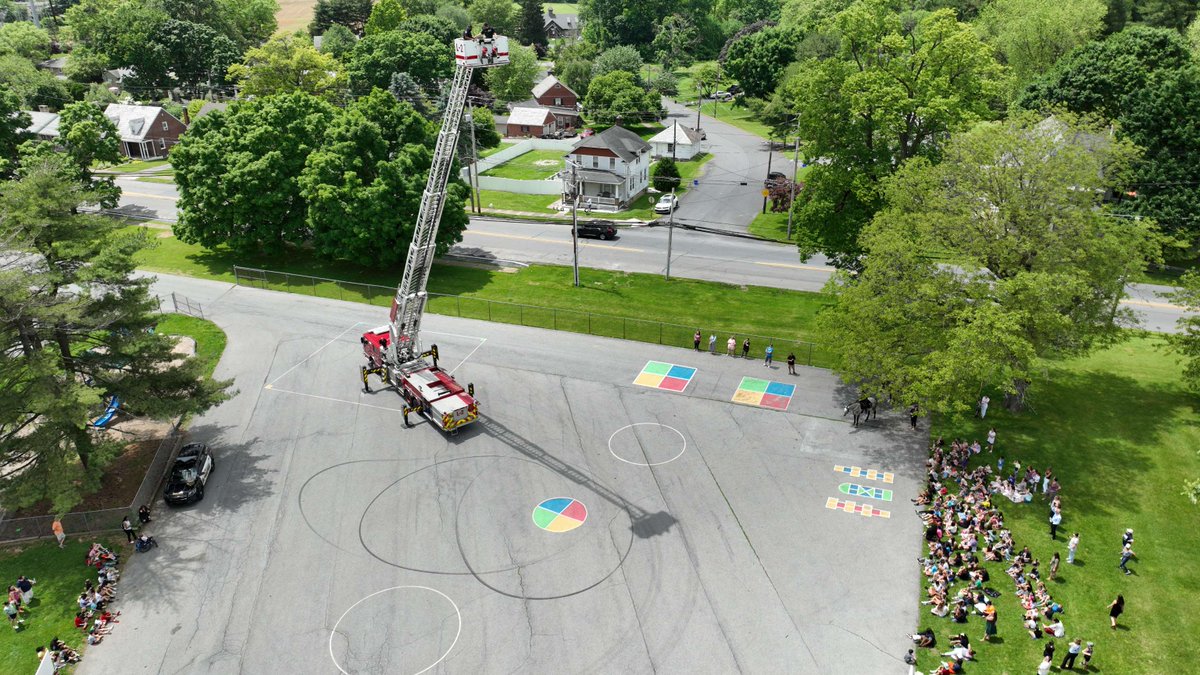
point(646, 424)
point(397, 588)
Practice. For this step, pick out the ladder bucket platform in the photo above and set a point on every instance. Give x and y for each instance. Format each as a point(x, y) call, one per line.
point(482, 53)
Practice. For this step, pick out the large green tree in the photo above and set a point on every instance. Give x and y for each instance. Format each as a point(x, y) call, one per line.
point(896, 89)
point(338, 41)
point(288, 63)
point(25, 40)
point(1039, 268)
point(87, 138)
point(503, 15)
point(385, 15)
point(675, 42)
point(1031, 35)
point(608, 23)
point(758, 60)
point(363, 187)
point(376, 57)
point(532, 29)
point(618, 97)
point(238, 172)
point(77, 328)
point(352, 14)
point(623, 58)
point(12, 121)
point(515, 81)
point(35, 87)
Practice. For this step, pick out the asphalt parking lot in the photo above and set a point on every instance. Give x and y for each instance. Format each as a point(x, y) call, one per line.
point(587, 525)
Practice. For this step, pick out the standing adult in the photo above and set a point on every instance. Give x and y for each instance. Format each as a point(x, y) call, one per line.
point(1048, 650)
point(11, 611)
point(983, 406)
point(1046, 480)
point(791, 361)
point(1073, 650)
point(746, 348)
point(712, 343)
point(991, 439)
point(1054, 488)
point(1088, 651)
point(1055, 520)
point(696, 340)
point(1054, 566)
point(730, 345)
point(769, 356)
point(25, 586)
point(59, 534)
point(1072, 546)
point(912, 416)
point(127, 528)
point(1116, 608)
point(989, 621)
point(1126, 554)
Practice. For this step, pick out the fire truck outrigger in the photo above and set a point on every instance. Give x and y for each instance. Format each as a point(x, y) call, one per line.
point(393, 351)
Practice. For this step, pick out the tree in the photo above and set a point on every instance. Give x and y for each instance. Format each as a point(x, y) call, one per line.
point(33, 86)
point(87, 138)
point(25, 40)
point(1031, 36)
point(749, 11)
point(249, 23)
point(619, 59)
point(285, 64)
point(533, 23)
point(238, 172)
point(758, 60)
point(12, 121)
point(376, 57)
point(503, 15)
point(675, 42)
point(85, 65)
point(364, 185)
point(1040, 268)
point(338, 41)
point(896, 90)
point(124, 32)
point(607, 23)
point(618, 96)
point(443, 30)
point(664, 83)
point(807, 16)
point(198, 54)
point(515, 81)
point(455, 15)
point(419, 7)
point(352, 14)
point(665, 175)
point(404, 88)
point(385, 15)
point(77, 328)
point(708, 79)
point(486, 135)
point(1173, 14)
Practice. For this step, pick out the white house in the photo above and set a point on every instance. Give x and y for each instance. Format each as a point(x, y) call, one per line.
point(535, 122)
point(677, 141)
point(613, 169)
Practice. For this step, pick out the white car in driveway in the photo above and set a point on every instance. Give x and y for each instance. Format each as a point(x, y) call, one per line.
point(666, 204)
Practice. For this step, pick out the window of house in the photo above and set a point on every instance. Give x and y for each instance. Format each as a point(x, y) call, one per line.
point(595, 162)
point(670, 147)
point(162, 143)
point(524, 129)
point(557, 100)
point(166, 127)
point(612, 162)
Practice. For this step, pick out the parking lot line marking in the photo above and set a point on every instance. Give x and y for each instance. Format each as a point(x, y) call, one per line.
point(329, 398)
point(469, 355)
point(339, 336)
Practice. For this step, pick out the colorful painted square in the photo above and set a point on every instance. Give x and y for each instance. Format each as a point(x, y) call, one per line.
point(673, 384)
point(776, 402)
point(764, 393)
point(666, 376)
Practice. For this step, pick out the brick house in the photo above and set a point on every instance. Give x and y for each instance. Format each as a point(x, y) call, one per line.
point(560, 99)
point(535, 122)
point(613, 169)
point(147, 132)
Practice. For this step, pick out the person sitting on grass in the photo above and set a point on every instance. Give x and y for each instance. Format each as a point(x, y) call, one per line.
point(925, 638)
point(65, 653)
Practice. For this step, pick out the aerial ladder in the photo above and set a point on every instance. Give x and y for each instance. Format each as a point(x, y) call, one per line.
point(393, 352)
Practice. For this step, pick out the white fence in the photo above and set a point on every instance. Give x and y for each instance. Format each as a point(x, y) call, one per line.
point(524, 187)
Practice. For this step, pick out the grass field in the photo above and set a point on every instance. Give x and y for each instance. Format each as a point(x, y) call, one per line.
point(60, 574)
point(533, 165)
point(294, 15)
point(498, 148)
point(1121, 433)
point(511, 201)
point(210, 340)
point(770, 226)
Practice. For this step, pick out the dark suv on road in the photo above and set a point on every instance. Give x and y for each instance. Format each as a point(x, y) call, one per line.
point(601, 229)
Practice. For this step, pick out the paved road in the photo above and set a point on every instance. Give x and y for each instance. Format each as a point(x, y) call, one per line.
point(729, 195)
point(332, 538)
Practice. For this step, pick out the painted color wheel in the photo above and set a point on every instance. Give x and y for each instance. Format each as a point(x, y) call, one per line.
point(560, 514)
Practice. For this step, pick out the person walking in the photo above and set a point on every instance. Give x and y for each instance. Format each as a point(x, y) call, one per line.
point(1126, 554)
point(1055, 521)
point(746, 348)
point(1054, 566)
point(712, 344)
point(1072, 546)
point(11, 611)
point(791, 361)
point(991, 439)
point(1087, 654)
point(912, 416)
point(59, 534)
point(144, 513)
point(696, 340)
point(983, 406)
point(770, 355)
point(730, 345)
point(1116, 608)
point(127, 528)
point(1073, 650)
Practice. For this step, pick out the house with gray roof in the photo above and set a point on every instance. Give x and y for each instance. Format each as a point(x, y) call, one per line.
point(612, 169)
point(147, 132)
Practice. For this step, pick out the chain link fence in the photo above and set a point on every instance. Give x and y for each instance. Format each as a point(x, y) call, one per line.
point(571, 320)
point(106, 520)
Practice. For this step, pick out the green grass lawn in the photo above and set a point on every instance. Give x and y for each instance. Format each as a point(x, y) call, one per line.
point(165, 180)
point(210, 340)
point(1121, 432)
point(646, 131)
point(60, 574)
point(498, 148)
point(137, 165)
point(561, 7)
point(511, 201)
point(770, 226)
point(533, 165)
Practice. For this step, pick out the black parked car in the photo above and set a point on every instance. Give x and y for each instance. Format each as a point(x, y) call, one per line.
point(601, 229)
point(191, 470)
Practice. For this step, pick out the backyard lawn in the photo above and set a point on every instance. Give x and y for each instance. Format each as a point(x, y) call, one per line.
point(60, 574)
point(533, 165)
point(498, 148)
point(511, 201)
point(1121, 433)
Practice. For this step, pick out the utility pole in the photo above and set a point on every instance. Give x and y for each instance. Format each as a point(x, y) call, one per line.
point(770, 156)
point(473, 172)
point(795, 166)
point(670, 233)
point(575, 219)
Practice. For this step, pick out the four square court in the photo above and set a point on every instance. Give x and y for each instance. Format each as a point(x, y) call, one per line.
point(764, 393)
point(667, 376)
